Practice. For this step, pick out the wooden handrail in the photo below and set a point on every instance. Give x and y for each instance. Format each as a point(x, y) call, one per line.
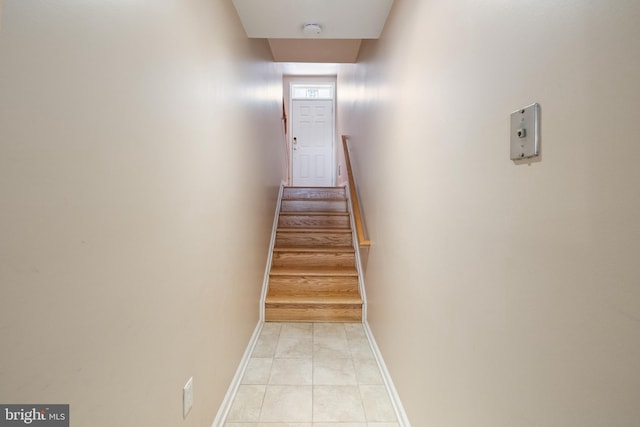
point(357, 215)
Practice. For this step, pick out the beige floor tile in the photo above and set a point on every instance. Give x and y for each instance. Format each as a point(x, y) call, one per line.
point(339, 424)
point(330, 340)
point(367, 371)
point(332, 371)
point(329, 330)
point(257, 371)
point(377, 405)
point(291, 372)
point(266, 346)
point(360, 348)
point(285, 425)
point(337, 404)
point(287, 404)
point(297, 330)
point(247, 403)
point(271, 328)
point(294, 346)
point(296, 341)
point(347, 391)
point(354, 330)
point(331, 348)
point(267, 341)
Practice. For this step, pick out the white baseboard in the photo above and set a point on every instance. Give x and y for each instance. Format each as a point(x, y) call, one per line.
point(403, 420)
point(225, 407)
point(267, 270)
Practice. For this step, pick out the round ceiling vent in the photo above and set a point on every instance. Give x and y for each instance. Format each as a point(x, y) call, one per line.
point(311, 29)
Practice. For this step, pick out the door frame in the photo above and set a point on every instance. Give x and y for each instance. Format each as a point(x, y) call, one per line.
point(311, 84)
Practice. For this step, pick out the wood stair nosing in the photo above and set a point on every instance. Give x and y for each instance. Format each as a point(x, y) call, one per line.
point(296, 205)
point(313, 193)
point(319, 201)
point(314, 271)
point(312, 230)
point(316, 197)
point(316, 249)
point(323, 300)
point(297, 258)
point(311, 213)
point(323, 220)
point(301, 238)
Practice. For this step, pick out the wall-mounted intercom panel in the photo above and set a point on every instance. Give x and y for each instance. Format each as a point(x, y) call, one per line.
point(525, 132)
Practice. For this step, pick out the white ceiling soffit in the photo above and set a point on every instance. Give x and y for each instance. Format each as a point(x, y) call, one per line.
point(338, 19)
point(315, 50)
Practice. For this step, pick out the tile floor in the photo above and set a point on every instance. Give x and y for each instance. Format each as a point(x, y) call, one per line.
point(312, 375)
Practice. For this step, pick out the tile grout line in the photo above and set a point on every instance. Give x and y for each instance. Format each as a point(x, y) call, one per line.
point(268, 380)
point(315, 331)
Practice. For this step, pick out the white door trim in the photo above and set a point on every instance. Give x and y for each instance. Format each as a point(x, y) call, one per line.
point(333, 129)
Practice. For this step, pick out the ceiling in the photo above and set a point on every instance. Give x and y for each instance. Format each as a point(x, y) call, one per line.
point(343, 23)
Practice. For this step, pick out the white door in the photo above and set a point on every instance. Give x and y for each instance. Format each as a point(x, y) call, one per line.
point(312, 143)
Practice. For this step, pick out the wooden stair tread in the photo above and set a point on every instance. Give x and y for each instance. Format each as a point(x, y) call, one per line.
point(325, 220)
point(313, 193)
point(337, 205)
point(315, 213)
point(315, 300)
point(313, 230)
point(315, 249)
point(315, 199)
point(314, 271)
point(312, 187)
point(313, 275)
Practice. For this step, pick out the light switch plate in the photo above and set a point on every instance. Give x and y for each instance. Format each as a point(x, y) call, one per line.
point(525, 132)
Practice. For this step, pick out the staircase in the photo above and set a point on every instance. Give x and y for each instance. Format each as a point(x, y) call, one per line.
point(313, 273)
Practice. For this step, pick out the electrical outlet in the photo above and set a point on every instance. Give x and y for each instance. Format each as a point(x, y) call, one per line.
point(187, 397)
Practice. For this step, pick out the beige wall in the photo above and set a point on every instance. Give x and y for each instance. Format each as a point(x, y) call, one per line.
point(140, 156)
point(503, 294)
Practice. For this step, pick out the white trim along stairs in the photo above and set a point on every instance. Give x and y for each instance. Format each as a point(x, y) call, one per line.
point(225, 407)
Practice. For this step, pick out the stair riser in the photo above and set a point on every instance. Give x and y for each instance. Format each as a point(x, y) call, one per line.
point(313, 259)
point(313, 276)
point(304, 313)
point(307, 286)
point(313, 221)
point(313, 193)
point(314, 206)
point(294, 239)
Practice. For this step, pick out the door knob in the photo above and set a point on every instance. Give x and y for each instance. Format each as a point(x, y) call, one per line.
point(295, 140)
